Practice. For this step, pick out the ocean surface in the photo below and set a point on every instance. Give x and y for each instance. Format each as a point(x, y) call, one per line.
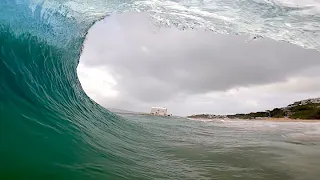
point(50, 129)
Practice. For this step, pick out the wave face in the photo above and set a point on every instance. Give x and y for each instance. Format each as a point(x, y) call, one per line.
point(50, 129)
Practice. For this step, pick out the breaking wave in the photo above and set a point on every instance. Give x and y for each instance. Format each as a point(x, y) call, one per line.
point(50, 128)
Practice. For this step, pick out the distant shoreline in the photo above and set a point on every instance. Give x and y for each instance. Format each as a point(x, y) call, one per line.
point(304, 111)
point(288, 120)
point(263, 119)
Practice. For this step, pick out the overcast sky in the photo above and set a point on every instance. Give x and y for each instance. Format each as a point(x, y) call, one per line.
point(128, 63)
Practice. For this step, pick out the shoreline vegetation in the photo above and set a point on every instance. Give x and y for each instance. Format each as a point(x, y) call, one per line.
point(305, 110)
point(262, 119)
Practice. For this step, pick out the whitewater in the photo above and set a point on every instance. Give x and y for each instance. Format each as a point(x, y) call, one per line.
point(50, 129)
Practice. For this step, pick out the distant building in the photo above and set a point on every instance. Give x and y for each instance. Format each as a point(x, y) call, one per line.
point(159, 111)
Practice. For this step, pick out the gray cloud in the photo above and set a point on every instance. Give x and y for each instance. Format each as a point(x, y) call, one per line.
point(160, 66)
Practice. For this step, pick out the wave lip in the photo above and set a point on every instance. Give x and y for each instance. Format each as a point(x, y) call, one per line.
point(296, 22)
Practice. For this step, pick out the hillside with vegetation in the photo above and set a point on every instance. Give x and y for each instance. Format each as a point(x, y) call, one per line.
point(305, 109)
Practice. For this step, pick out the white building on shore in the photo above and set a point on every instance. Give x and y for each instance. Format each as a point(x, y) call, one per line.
point(159, 111)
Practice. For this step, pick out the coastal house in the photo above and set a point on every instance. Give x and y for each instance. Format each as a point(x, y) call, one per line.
point(159, 111)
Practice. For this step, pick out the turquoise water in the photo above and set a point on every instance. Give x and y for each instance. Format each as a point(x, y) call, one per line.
point(50, 129)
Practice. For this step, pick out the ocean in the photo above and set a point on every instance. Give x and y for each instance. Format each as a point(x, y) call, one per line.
point(231, 149)
point(50, 129)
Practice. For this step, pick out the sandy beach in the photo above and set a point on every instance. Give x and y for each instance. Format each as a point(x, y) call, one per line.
point(266, 119)
point(288, 120)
